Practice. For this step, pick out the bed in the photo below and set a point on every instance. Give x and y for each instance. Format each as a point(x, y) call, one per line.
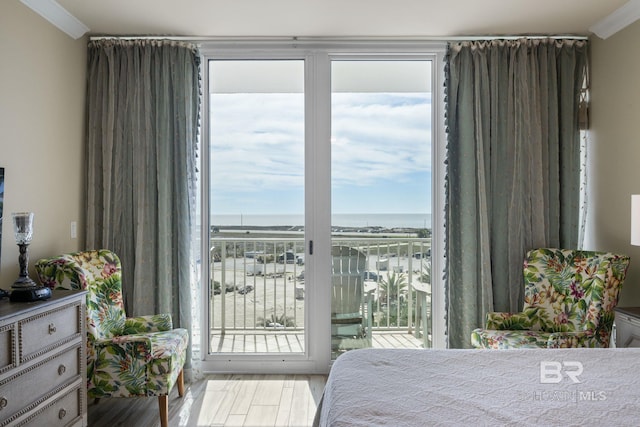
point(395, 387)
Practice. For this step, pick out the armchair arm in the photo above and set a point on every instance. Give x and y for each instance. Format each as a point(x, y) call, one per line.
point(573, 339)
point(368, 303)
point(144, 324)
point(507, 321)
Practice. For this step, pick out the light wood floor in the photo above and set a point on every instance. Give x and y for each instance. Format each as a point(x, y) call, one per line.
point(221, 400)
point(235, 400)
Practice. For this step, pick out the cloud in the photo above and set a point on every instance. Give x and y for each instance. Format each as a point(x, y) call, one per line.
point(258, 142)
point(379, 137)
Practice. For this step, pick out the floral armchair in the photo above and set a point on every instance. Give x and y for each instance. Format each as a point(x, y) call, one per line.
point(568, 302)
point(126, 357)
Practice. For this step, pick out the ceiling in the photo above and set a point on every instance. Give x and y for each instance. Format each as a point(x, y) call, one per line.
point(340, 18)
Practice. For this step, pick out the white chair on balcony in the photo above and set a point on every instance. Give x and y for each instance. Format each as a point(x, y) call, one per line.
point(423, 312)
point(351, 312)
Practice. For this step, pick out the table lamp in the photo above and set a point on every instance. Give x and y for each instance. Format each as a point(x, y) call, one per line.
point(24, 288)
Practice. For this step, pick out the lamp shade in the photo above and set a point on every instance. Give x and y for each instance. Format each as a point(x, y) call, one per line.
point(635, 219)
point(23, 227)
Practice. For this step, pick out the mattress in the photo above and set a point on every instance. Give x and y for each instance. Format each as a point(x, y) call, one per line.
point(395, 387)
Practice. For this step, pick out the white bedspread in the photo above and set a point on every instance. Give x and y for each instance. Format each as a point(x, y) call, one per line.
point(482, 387)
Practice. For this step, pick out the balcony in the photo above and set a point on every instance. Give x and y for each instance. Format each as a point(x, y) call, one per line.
point(257, 292)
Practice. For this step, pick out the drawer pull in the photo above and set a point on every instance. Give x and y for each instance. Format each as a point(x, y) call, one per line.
point(3, 402)
point(61, 369)
point(62, 413)
point(52, 329)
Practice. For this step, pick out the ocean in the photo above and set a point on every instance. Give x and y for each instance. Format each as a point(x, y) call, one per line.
point(337, 220)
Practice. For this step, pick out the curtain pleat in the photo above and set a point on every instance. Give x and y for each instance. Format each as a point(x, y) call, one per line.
point(513, 178)
point(143, 100)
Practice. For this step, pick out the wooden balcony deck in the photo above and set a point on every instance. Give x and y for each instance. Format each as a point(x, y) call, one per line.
point(251, 341)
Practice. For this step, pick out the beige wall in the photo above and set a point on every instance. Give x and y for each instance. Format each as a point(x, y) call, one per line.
point(42, 85)
point(615, 149)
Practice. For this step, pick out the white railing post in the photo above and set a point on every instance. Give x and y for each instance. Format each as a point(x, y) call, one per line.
point(223, 286)
point(410, 288)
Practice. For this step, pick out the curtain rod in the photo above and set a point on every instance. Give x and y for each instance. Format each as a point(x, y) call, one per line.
point(310, 39)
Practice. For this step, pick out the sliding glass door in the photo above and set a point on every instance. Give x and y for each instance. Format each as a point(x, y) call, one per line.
point(317, 210)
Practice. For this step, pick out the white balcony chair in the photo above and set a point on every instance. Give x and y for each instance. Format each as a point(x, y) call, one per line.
point(351, 311)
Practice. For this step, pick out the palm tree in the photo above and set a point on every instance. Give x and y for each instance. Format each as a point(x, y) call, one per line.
point(393, 291)
point(393, 287)
point(425, 276)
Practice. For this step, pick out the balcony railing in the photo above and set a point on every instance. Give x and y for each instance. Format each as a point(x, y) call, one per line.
point(257, 284)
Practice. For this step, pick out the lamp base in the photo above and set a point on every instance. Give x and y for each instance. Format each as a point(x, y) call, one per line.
point(24, 282)
point(37, 293)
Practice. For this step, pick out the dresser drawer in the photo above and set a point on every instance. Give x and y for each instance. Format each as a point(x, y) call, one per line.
point(39, 381)
point(62, 411)
point(43, 332)
point(7, 347)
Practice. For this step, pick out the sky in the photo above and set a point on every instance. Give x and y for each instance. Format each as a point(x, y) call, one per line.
point(381, 153)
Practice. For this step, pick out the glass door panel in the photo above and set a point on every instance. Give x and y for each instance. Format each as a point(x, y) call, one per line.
point(256, 209)
point(381, 203)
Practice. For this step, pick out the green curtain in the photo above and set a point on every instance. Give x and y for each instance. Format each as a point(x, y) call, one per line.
point(513, 178)
point(143, 99)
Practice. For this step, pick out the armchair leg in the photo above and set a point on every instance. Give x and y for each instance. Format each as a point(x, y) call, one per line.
point(163, 402)
point(181, 383)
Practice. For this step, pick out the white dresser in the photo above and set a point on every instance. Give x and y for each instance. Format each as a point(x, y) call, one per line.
point(42, 361)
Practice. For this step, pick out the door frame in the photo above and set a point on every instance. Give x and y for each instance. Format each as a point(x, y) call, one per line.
point(317, 55)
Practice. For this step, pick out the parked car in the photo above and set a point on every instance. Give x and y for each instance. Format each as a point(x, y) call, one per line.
point(425, 254)
point(370, 275)
point(288, 257)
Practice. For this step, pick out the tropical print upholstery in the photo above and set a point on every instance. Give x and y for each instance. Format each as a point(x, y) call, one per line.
point(568, 302)
point(140, 356)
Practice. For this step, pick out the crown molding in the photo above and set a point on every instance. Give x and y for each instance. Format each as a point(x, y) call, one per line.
point(58, 16)
point(619, 19)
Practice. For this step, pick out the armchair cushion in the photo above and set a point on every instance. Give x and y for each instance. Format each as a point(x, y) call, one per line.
point(508, 321)
point(502, 339)
point(573, 339)
point(149, 323)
